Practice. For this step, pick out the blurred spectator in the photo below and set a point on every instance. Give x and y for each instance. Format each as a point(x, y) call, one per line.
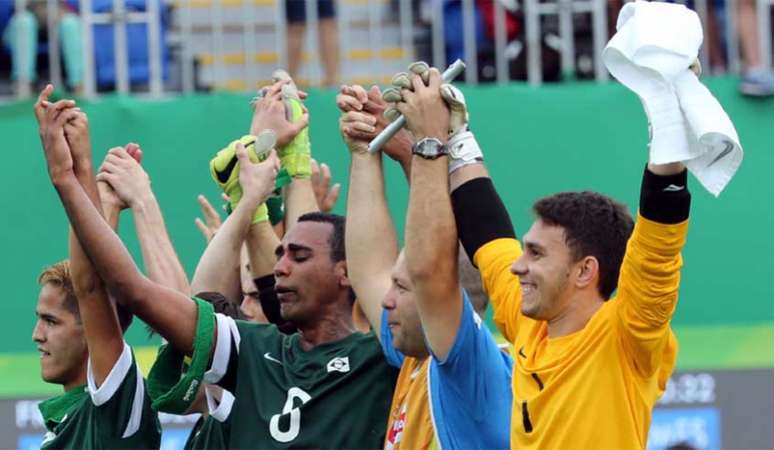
point(757, 80)
point(27, 33)
point(328, 38)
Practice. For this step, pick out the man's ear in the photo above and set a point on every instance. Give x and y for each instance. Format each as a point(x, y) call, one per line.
point(587, 272)
point(340, 269)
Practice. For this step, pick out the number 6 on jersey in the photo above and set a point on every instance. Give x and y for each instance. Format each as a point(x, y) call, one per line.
point(295, 416)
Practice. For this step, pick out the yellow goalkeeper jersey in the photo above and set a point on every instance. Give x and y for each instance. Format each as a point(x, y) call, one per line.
point(595, 388)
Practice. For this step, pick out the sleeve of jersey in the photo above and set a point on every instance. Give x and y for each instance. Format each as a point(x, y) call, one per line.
point(648, 290)
point(476, 373)
point(121, 397)
point(223, 369)
point(494, 260)
point(393, 357)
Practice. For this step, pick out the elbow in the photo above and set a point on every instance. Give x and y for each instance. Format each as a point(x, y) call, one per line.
point(128, 292)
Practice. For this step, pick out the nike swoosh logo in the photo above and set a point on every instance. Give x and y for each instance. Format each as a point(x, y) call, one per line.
point(724, 153)
point(673, 188)
point(268, 356)
point(521, 352)
point(226, 172)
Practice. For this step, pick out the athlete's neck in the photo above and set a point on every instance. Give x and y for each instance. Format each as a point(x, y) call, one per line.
point(80, 380)
point(332, 328)
point(575, 316)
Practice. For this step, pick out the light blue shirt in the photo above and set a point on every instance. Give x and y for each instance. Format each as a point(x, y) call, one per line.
point(470, 391)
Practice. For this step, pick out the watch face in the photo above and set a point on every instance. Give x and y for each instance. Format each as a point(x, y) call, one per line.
point(429, 148)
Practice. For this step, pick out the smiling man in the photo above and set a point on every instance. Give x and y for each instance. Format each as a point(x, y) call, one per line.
point(589, 365)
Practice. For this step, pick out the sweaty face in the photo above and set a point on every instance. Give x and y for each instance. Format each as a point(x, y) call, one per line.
point(543, 271)
point(402, 314)
point(60, 340)
point(307, 278)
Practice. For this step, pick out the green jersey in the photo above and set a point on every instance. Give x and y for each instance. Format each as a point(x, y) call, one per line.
point(212, 432)
point(116, 415)
point(336, 395)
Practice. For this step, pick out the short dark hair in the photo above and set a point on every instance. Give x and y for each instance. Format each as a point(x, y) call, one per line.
point(59, 275)
point(594, 225)
point(221, 304)
point(338, 252)
point(336, 239)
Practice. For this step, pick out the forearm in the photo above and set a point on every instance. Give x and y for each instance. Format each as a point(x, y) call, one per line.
point(161, 262)
point(479, 212)
point(369, 260)
point(218, 268)
point(431, 254)
point(104, 249)
point(261, 243)
point(299, 200)
point(171, 313)
point(431, 234)
point(650, 273)
point(85, 279)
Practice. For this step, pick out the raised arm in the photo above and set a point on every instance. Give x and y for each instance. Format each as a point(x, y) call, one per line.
point(173, 314)
point(104, 337)
point(650, 272)
point(371, 239)
point(123, 172)
point(486, 231)
point(218, 268)
point(431, 234)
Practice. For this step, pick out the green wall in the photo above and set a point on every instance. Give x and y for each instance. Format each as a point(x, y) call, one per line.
point(536, 142)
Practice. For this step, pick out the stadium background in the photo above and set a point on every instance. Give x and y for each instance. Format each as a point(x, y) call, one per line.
point(536, 141)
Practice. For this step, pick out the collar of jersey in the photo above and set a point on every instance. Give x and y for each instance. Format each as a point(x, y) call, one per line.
point(55, 409)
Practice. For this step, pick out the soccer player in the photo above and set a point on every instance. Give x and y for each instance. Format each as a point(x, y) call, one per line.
point(79, 332)
point(453, 390)
point(589, 366)
point(299, 390)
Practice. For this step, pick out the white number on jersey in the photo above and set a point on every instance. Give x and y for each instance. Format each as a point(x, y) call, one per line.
point(295, 416)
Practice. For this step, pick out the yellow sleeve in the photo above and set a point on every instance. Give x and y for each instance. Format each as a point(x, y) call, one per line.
point(647, 291)
point(494, 260)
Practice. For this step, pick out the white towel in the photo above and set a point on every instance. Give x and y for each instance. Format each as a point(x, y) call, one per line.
point(650, 54)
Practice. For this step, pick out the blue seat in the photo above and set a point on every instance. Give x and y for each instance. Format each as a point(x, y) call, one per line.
point(137, 43)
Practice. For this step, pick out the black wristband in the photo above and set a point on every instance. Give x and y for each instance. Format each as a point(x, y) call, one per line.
point(665, 198)
point(480, 214)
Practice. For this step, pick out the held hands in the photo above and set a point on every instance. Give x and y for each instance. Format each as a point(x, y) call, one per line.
point(270, 114)
point(124, 182)
point(363, 117)
point(418, 97)
point(52, 118)
point(77, 134)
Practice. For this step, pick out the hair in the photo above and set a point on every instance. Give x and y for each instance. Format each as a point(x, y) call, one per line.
point(594, 225)
point(221, 304)
point(336, 239)
point(470, 279)
point(59, 275)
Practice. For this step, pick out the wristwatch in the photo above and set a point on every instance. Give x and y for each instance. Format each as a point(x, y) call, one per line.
point(429, 148)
